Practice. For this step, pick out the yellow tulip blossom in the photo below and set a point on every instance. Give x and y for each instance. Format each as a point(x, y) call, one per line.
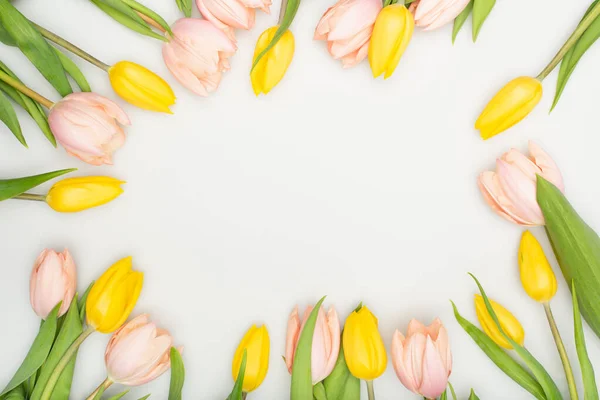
point(113, 296)
point(537, 276)
point(141, 87)
point(392, 32)
point(510, 105)
point(510, 325)
point(272, 66)
point(363, 347)
point(78, 194)
point(257, 344)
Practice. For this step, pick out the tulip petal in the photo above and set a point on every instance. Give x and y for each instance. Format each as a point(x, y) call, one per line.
point(547, 165)
point(435, 376)
point(293, 333)
point(398, 357)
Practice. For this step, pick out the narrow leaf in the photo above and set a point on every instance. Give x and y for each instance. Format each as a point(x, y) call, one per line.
point(100, 392)
point(185, 6)
point(481, 10)
point(473, 396)
point(127, 21)
point(341, 384)
point(118, 396)
point(504, 361)
point(82, 301)
point(12, 187)
point(587, 370)
point(452, 391)
point(550, 389)
point(149, 13)
point(177, 375)
point(444, 395)
point(319, 392)
point(73, 70)
point(236, 393)
point(37, 353)
point(9, 117)
point(145, 397)
point(302, 388)
point(459, 21)
point(124, 9)
point(17, 393)
point(34, 46)
point(6, 38)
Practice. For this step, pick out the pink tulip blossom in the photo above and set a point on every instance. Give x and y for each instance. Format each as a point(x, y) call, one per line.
point(53, 279)
point(87, 125)
point(431, 14)
point(511, 190)
point(198, 54)
point(325, 346)
point(228, 15)
point(422, 360)
point(347, 28)
point(138, 352)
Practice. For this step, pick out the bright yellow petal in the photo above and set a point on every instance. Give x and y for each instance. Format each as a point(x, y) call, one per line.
point(537, 276)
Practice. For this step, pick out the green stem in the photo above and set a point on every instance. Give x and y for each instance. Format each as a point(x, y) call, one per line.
point(9, 80)
point(71, 47)
point(244, 395)
point(370, 390)
point(62, 363)
point(562, 352)
point(581, 28)
point(30, 196)
point(102, 387)
point(282, 11)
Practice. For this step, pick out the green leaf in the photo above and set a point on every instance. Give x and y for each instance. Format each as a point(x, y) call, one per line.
point(124, 15)
point(319, 392)
point(149, 13)
point(302, 388)
point(6, 38)
point(576, 246)
point(185, 6)
point(236, 392)
point(504, 361)
point(481, 10)
point(73, 70)
point(288, 17)
point(444, 396)
point(459, 21)
point(145, 397)
point(118, 396)
point(538, 371)
point(177, 375)
point(452, 390)
point(70, 330)
point(587, 370)
point(17, 393)
point(9, 117)
point(341, 384)
point(37, 353)
point(100, 392)
point(34, 46)
point(82, 301)
point(12, 187)
point(473, 396)
point(570, 60)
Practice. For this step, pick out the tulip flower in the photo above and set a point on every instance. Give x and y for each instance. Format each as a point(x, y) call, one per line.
point(510, 105)
point(511, 190)
point(113, 296)
point(87, 125)
point(78, 194)
point(325, 344)
point(141, 87)
point(53, 279)
point(431, 14)
point(228, 15)
point(271, 68)
point(391, 34)
point(363, 347)
point(257, 344)
point(197, 54)
point(347, 28)
point(510, 325)
point(422, 360)
point(537, 276)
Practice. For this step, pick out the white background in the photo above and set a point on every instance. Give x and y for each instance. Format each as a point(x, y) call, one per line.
point(237, 207)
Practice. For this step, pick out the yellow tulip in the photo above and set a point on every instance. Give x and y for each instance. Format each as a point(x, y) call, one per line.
point(537, 276)
point(78, 194)
point(141, 87)
point(510, 105)
point(257, 345)
point(363, 347)
point(272, 66)
point(113, 296)
point(510, 325)
point(392, 32)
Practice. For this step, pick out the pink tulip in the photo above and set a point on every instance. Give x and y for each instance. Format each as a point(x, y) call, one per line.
point(423, 360)
point(431, 14)
point(87, 125)
point(228, 15)
point(511, 190)
point(53, 279)
point(138, 352)
point(347, 28)
point(326, 342)
point(198, 54)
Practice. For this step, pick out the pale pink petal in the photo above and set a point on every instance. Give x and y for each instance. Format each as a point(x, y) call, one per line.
point(520, 192)
point(494, 196)
point(415, 326)
point(398, 358)
point(435, 376)
point(293, 333)
point(414, 346)
point(547, 165)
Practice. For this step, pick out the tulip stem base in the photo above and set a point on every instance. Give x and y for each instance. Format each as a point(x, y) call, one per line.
point(16, 84)
point(63, 362)
point(581, 28)
point(30, 196)
point(562, 352)
point(244, 395)
point(370, 390)
point(102, 387)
